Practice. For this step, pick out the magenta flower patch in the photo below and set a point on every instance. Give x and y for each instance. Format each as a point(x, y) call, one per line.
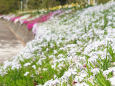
point(30, 26)
point(25, 22)
point(41, 19)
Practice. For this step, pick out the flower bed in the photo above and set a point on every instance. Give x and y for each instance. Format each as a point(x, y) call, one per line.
point(76, 48)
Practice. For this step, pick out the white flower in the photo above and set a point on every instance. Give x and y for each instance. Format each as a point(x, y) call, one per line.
point(95, 71)
point(60, 55)
point(44, 69)
point(112, 80)
point(39, 62)
point(81, 84)
point(55, 52)
point(26, 73)
point(27, 64)
point(34, 66)
point(55, 76)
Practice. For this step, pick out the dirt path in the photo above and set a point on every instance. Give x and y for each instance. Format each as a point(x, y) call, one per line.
point(9, 44)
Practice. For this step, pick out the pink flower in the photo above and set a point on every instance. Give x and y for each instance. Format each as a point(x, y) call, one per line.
point(25, 22)
point(84, 65)
point(40, 19)
point(14, 18)
point(74, 82)
point(30, 25)
point(43, 18)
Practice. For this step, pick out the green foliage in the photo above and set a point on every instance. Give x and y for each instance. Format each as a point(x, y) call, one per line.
point(111, 52)
point(105, 63)
point(102, 1)
point(37, 4)
point(46, 72)
point(89, 83)
point(7, 6)
point(110, 75)
point(101, 80)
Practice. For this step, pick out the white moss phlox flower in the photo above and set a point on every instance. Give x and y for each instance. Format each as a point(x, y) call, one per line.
point(26, 73)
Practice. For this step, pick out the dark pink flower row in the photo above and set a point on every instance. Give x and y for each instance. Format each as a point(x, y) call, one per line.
point(40, 19)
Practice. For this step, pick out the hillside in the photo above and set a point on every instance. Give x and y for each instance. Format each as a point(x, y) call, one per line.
point(72, 48)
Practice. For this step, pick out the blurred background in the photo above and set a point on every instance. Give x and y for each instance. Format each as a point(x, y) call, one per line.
point(7, 6)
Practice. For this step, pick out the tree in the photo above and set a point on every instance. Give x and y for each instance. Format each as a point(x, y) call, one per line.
point(7, 6)
point(38, 4)
point(102, 1)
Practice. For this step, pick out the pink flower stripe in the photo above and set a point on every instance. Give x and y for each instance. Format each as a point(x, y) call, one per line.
point(14, 18)
point(41, 19)
point(26, 21)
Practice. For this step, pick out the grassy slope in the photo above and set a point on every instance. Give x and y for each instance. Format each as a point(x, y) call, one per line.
point(76, 47)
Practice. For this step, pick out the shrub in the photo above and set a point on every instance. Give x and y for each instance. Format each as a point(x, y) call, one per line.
point(7, 6)
point(102, 1)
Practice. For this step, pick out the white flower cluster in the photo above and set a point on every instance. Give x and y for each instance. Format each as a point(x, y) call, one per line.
point(77, 35)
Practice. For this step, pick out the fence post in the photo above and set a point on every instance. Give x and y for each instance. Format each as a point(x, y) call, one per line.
point(21, 5)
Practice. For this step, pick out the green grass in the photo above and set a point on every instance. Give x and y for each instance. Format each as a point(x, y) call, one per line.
point(17, 77)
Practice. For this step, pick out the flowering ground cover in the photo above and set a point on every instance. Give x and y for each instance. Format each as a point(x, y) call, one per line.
point(30, 18)
point(75, 48)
